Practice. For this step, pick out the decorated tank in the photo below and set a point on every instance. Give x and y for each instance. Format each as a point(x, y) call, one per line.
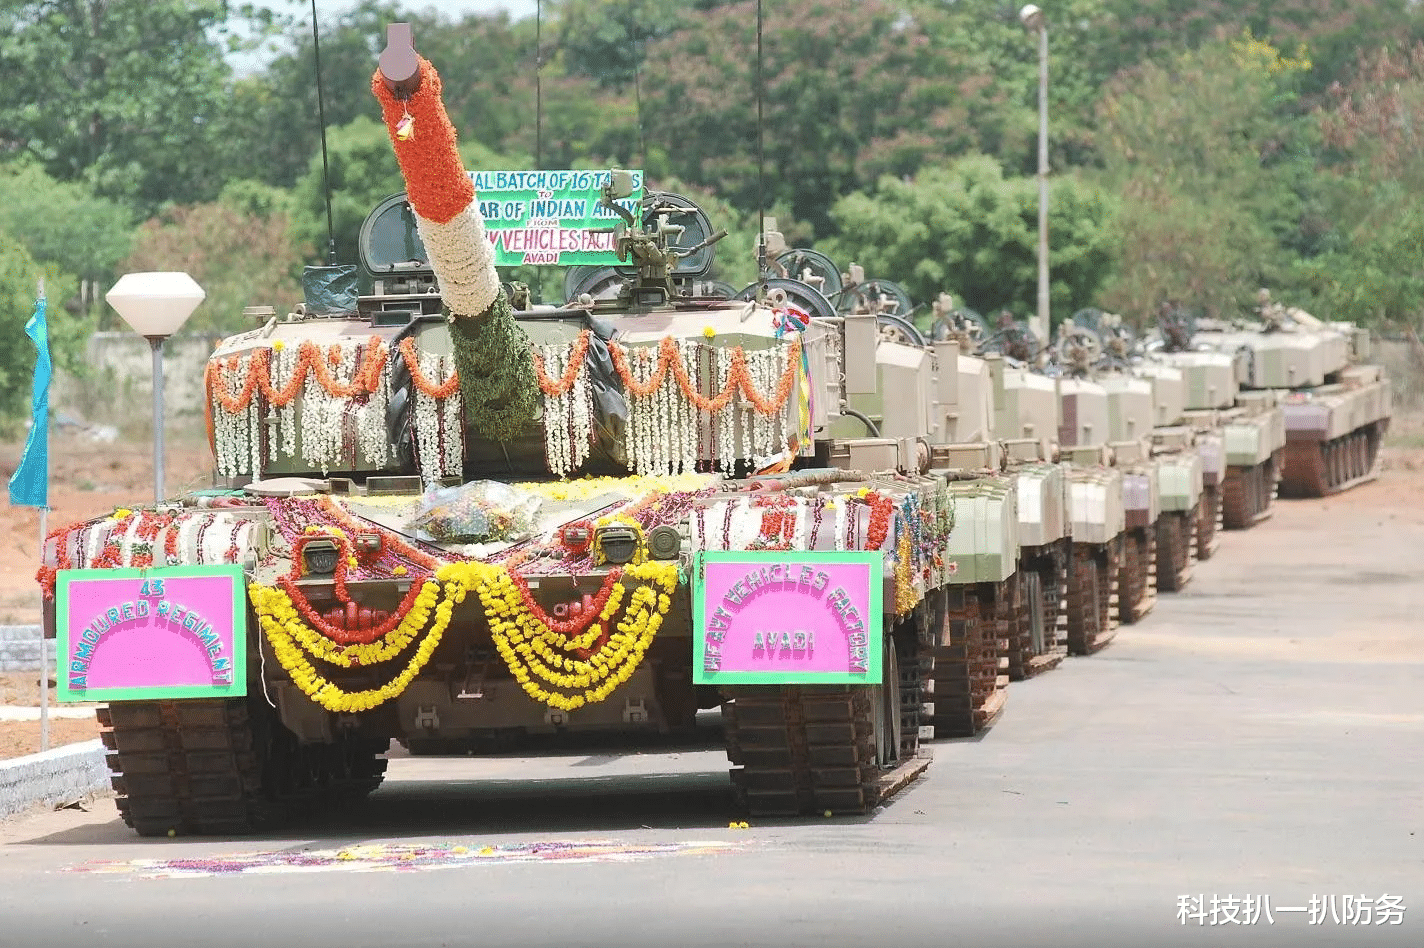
point(1334, 403)
point(445, 515)
point(1007, 557)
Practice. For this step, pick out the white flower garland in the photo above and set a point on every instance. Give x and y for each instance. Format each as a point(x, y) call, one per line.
point(436, 415)
point(667, 433)
point(463, 260)
point(316, 424)
point(568, 418)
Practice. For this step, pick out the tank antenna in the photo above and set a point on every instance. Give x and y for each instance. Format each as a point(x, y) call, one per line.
point(761, 163)
point(637, 81)
point(538, 86)
point(325, 169)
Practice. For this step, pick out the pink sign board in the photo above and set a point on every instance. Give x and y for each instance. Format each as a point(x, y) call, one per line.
point(131, 634)
point(798, 617)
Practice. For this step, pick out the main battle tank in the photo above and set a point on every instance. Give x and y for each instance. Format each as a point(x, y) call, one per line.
point(1147, 412)
point(1251, 424)
point(1335, 404)
point(360, 575)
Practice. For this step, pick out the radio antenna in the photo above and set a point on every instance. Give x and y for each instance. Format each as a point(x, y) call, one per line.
point(325, 168)
point(538, 86)
point(637, 80)
point(761, 166)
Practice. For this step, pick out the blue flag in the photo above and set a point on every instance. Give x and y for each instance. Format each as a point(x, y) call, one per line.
point(29, 487)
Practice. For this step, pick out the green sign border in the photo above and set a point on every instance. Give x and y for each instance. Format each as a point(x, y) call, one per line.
point(875, 624)
point(237, 689)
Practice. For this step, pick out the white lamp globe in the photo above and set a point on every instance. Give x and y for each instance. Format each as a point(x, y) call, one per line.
point(155, 304)
point(1031, 16)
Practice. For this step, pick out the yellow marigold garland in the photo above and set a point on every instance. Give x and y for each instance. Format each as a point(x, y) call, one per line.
point(274, 608)
point(530, 648)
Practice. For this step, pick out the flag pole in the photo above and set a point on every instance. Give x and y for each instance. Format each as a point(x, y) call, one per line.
point(44, 532)
point(44, 652)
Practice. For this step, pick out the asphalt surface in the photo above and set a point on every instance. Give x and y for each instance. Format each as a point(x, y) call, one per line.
point(1258, 737)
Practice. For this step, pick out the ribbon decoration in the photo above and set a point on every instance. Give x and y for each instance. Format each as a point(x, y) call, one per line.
point(791, 319)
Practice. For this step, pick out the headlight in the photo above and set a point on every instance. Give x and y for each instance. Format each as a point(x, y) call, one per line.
point(616, 543)
point(319, 557)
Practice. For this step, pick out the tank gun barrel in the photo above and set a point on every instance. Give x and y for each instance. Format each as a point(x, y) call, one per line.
point(492, 354)
point(399, 64)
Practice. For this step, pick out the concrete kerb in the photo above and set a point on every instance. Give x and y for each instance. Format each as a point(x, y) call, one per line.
point(53, 778)
point(20, 649)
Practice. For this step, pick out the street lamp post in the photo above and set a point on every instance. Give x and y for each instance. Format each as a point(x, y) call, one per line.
point(1034, 21)
point(156, 305)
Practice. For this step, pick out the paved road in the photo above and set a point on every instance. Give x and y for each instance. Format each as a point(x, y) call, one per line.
point(1258, 735)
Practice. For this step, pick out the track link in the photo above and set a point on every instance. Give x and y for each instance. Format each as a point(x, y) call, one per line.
point(1092, 576)
point(969, 676)
point(224, 766)
point(799, 749)
point(1321, 468)
point(1247, 492)
point(1042, 641)
point(1176, 552)
point(1207, 528)
point(1137, 575)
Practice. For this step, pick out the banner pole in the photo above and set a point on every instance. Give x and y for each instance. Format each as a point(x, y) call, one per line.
point(44, 654)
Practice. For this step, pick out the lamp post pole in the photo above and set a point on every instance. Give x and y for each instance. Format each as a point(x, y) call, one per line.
point(1035, 22)
point(156, 344)
point(155, 305)
point(1043, 322)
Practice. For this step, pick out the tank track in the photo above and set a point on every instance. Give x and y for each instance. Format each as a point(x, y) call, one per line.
point(969, 676)
point(224, 766)
point(1137, 575)
point(1247, 492)
point(1043, 588)
point(1321, 468)
point(1092, 597)
point(1176, 550)
point(801, 749)
point(1208, 523)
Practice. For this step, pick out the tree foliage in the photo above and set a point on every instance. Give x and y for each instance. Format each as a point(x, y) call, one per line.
point(1206, 158)
point(970, 231)
point(238, 259)
point(129, 98)
point(64, 224)
point(1198, 150)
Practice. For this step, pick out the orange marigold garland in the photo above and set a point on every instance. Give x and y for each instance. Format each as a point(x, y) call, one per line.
point(418, 378)
point(565, 382)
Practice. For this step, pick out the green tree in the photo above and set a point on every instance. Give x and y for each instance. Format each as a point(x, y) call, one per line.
point(483, 62)
point(1372, 271)
point(363, 172)
point(64, 224)
point(1215, 170)
point(852, 91)
point(238, 259)
point(122, 96)
point(970, 231)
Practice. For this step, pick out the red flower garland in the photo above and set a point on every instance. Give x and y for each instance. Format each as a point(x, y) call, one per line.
point(576, 625)
point(338, 634)
point(882, 509)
